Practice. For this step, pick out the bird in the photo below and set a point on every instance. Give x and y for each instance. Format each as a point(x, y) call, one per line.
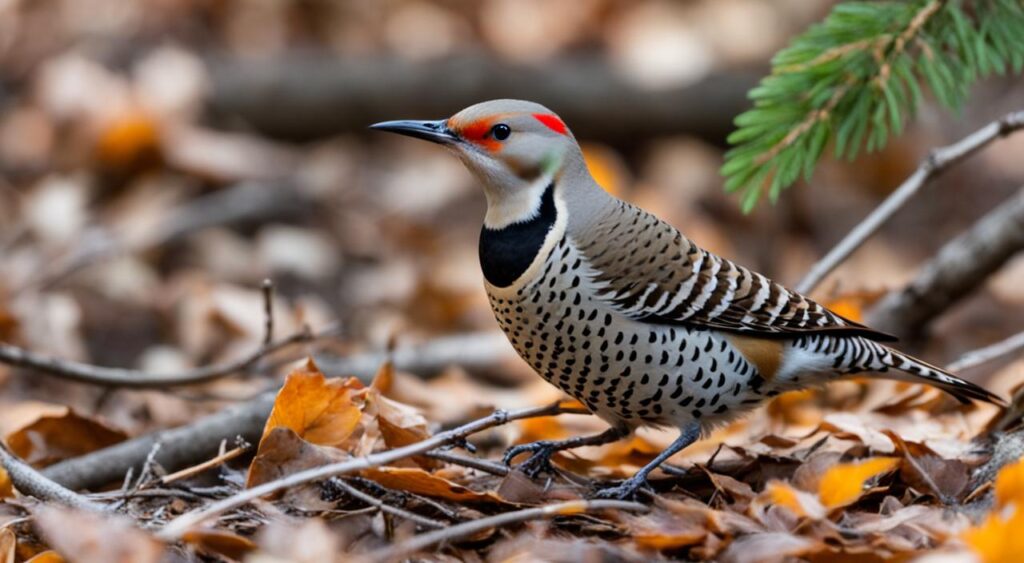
point(620, 310)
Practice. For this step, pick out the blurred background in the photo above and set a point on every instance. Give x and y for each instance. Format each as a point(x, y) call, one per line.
point(160, 158)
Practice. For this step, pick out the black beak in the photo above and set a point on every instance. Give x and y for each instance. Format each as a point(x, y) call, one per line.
point(433, 131)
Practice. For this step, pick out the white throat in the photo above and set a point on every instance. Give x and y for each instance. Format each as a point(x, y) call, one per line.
point(516, 205)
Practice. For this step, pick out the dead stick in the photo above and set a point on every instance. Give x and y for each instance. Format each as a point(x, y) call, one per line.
point(989, 353)
point(31, 482)
point(183, 523)
point(955, 271)
point(938, 161)
point(472, 527)
point(385, 507)
point(120, 377)
point(181, 447)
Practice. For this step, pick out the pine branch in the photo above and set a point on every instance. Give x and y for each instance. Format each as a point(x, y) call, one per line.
point(857, 78)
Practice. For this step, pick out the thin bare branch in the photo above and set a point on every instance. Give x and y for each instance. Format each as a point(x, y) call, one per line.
point(385, 507)
point(472, 527)
point(938, 161)
point(989, 353)
point(120, 377)
point(31, 482)
point(183, 523)
point(208, 464)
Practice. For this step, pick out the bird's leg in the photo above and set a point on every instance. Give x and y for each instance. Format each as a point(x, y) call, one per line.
point(628, 488)
point(542, 450)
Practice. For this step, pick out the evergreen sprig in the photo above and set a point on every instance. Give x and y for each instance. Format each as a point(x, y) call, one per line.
point(857, 77)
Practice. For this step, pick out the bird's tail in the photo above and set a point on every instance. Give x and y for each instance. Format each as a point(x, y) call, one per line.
point(909, 368)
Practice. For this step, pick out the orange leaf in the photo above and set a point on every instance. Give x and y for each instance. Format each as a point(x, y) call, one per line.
point(997, 539)
point(7, 544)
point(50, 556)
point(319, 410)
point(64, 434)
point(6, 488)
point(232, 546)
point(669, 540)
point(798, 502)
point(843, 484)
point(416, 480)
point(1010, 485)
point(282, 453)
point(606, 167)
point(128, 140)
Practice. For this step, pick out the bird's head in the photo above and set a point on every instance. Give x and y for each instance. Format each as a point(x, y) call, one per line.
point(516, 149)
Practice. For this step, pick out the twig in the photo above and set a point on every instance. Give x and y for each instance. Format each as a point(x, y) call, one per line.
point(989, 353)
point(30, 482)
point(956, 270)
point(385, 507)
point(939, 160)
point(472, 527)
point(120, 377)
point(492, 467)
point(197, 469)
point(183, 523)
point(268, 311)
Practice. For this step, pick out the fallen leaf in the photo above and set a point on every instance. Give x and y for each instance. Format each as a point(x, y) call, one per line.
point(94, 538)
point(282, 453)
point(221, 542)
point(1010, 485)
point(129, 140)
point(843, 484)
point(800, 503)
point(318, 410)
point(419, 481)
point(997, 539)
point(6, 487)
point(59, 436)
point(771, 546)
point(47, 557)
point(7, 544)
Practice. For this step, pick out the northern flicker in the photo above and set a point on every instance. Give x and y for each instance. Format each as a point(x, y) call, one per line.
point(621, 311)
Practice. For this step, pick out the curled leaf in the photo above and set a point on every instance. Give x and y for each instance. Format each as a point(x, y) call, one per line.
point(844, 484)
point(318, 410)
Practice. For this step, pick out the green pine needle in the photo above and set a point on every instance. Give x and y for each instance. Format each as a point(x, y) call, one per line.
point(857, 78)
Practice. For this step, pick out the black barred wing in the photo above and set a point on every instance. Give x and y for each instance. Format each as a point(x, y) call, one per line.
point(647, 270)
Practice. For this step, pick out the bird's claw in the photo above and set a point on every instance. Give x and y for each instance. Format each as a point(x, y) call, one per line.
point(539, 462)
point(626, 490)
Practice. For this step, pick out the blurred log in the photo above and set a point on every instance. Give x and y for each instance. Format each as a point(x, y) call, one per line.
point(303, 96)
point(960, 267)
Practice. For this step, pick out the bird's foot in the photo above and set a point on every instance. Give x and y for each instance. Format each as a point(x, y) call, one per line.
point(539, 460)
point(629, 489)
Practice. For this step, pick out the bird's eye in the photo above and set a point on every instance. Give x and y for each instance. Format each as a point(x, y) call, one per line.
point(501, 131)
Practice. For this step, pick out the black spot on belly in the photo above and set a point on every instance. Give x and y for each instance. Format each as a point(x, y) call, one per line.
point(506, 253)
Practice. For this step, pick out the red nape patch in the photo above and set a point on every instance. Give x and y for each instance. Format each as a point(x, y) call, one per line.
point(552, 122)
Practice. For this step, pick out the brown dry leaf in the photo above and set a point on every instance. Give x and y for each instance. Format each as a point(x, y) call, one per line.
point(59, 436)
point(282, 452)
point(6, 487)
point(682, 527)
point(416, 480)
point(318, 410)
point(8, 542)
point(844, 484)
point(47, 557)
point(93, 538)
point(221, 542)
point(771, 546)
